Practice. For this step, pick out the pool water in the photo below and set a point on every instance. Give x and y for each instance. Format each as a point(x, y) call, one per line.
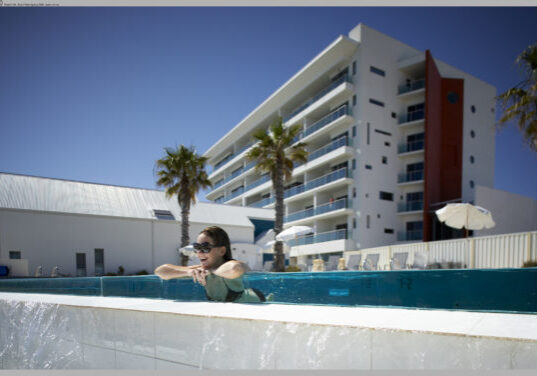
point(502, 290)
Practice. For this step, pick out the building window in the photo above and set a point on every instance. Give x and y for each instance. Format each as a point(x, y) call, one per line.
point(386, 143)
point(378, 103)
point(472, 184)
point(15, 255)
point(368, 131)
point(165, 214)
point(367, 221)
point(378, 215)
point(394, 115)
point(354, 131)
point(384, 160)
point(388, 230)
point(472, 134)
point(473, 109)
point(354, 192)
point(387, 196)
point(452, 97)
point(354, 67)
point(354, 223)
point(368, 167)
point(354, 164)
point(354, 100)
point(472, 159)
point(81, 265)
point(378, 71)
point(383, 132)
point(99, 261)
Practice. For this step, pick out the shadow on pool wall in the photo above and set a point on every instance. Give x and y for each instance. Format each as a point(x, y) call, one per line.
point(502, 290)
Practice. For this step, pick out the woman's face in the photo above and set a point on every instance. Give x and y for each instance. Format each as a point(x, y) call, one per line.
point(213, 259)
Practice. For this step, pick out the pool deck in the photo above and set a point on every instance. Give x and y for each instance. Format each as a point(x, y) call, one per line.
point(446, 322)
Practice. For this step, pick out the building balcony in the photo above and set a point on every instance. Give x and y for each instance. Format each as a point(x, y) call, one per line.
point(221, 183)
point(318, 96)
point(404, 207)
point(415, 235)
point(411, 147)
point(410, 87)
point(234, 194)
point(313, 184)
point(320, 238)
point(318, 210)
point(228, 158)
point(411, 117)
point(257, 183)
point(325, 120)
point(336, 144)
point(408, 177)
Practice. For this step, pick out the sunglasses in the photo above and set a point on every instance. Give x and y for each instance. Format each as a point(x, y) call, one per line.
point(204, 247)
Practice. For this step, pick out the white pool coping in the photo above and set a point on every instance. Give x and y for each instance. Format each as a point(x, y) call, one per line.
point(446, 322)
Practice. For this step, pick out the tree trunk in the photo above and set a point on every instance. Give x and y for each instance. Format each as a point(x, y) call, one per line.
point(277, 182)
point(184, 202)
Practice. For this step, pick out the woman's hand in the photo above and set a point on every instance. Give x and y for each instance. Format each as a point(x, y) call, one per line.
point(198, 275)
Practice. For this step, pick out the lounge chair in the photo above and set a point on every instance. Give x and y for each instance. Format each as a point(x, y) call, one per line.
point(354, 262)
point(331, 264)
point(420, 260)
point(398, 261)
point(371, 261)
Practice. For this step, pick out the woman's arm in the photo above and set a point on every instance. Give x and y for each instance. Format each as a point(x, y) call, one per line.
point(231, 269)
point(169, 271)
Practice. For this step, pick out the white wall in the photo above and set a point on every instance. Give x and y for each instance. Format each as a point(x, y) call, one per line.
point(510, 211)
point(50, 239)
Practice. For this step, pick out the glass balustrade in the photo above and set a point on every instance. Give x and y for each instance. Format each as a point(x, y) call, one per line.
point(411, 116)
point(231, 156)
point(319, 95)
point(341, 111)
point(410, 235)
point(333, 176)
point(325, 208)
point(411, 146)
point(234, 194)
point(409, 206)
point(258, 182)
point(320, 238)
point(410, 176)
point(411, 86)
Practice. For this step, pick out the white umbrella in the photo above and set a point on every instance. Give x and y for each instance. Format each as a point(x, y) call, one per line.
point(271, 243)
point(188, 250)
point(465, 215)
point(293, 232)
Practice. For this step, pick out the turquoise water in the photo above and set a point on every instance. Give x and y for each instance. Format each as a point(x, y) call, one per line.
point(503, 290)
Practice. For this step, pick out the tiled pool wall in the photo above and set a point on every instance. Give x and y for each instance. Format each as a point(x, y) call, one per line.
point(60, 331)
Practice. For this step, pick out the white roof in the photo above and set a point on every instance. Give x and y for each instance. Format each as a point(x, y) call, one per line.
point(24, 192)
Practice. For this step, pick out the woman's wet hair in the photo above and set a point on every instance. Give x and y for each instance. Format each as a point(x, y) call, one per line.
point(220, 239)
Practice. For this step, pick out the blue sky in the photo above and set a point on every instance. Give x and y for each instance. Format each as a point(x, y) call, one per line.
point(95, 94)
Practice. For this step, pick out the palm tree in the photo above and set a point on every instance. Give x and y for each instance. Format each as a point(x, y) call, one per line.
point(520, 102)
point(183, 173)
point(275, 155)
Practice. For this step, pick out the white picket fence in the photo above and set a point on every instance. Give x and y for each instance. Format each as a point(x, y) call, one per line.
point(497, 251)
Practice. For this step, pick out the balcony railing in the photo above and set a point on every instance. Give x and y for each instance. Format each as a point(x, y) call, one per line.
point(328, 178)
point(410, 235)
point(325, 208)
point(321, 238)
point(410, 176)
point(411, 146)
point(231, 156)
point(258, 182)
point(234, 194)
point(411, 116)
point(220, 199)
point(409, 206)
point(336, 144)
point(336, 114)
point(319, 95)
point(414, 85)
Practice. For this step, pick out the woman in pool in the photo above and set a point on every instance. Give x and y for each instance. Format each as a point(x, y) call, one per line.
point(218, 272)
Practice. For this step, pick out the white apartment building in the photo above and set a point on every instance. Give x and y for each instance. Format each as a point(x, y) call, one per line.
point(392, 135)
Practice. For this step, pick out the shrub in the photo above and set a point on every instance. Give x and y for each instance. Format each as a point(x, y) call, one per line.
point(293, 268)
point(120, 270)
point(141, 272)
point(530, 264)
